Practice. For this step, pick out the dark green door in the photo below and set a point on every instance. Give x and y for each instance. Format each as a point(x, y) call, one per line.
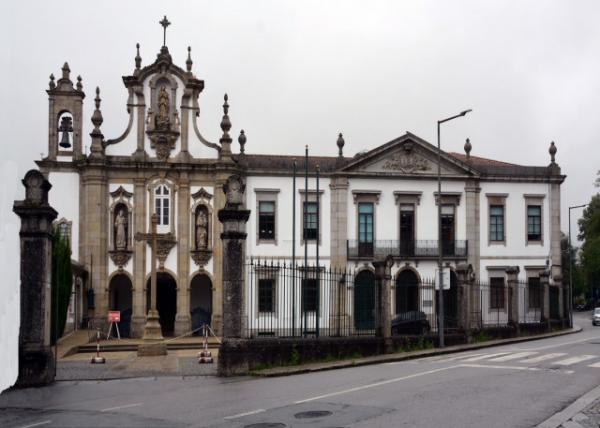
point(364, 300)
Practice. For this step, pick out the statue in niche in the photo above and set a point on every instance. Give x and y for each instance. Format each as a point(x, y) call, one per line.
point(201, 229)
point(121, 230)
point(162, 120)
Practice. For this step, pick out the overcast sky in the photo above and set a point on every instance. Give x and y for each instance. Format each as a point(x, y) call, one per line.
point(300, 72)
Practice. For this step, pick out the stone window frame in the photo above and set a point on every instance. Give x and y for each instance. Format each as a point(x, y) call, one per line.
point(59, 150)
point(266, 272)
point(496, 199)
point(121, 198)
point(201, 200)
point(311, 193)
point(534, 200)
point(449, 198)
point(534, 272)
point(69, 224)
point(173, 188)
point(267, 195)
point(366, 196)
point(497, 272)
point(407, 198)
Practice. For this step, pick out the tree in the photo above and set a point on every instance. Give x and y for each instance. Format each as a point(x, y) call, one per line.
point(62, 283)
point(589, 232)
point(567, 251)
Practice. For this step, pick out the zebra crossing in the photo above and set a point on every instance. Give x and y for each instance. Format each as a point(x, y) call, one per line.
point(520, 357)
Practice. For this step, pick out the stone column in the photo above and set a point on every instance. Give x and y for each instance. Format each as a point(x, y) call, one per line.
point(217, 257)
point(472, 203)
point(36, 361)
point(464, 272)
point(383, 295)
point(545, 288)
point(555, 237)
point(183, 320)
point(138, 319)
point(233, 237)
point(339, 247)
point(512, 274)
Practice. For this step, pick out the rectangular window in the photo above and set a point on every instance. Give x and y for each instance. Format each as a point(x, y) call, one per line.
point(365, 229)
point(309, 294)
point(497, 293)
point(266, 220)
point(534, 222)
point(266, 295)
point(447, 221)
point(407, 229)
point(496, 223)
point(534, 290)
point(165, 211)
point(310, 221)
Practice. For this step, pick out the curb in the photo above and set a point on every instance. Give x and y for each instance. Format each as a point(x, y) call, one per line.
point(389, 358)
point(567, 413)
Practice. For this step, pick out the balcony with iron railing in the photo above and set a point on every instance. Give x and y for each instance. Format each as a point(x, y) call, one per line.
point(418, 249)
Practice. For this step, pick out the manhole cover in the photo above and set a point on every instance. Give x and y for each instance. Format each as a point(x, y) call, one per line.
point(266, 425)
point(312, 414)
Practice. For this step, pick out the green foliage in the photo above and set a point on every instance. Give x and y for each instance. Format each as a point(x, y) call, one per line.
point(589, 232)
point(62, 283)
point(419, 345)
point(579, 284)
point(295, 358)
point(482, 336)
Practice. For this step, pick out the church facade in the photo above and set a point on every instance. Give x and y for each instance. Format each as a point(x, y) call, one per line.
point(384, 201)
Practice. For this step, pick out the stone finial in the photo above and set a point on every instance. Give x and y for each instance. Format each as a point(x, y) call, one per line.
point(225, 122)
point(97, 116)
point(79, 84)
point(97, 147)
point(552, 151)
point(188, 63)
point(138, 58)
point(52, 84)
point(242, 141)
point(36, 188)
point(468, 148)
point(66, 71)
point(340, 144)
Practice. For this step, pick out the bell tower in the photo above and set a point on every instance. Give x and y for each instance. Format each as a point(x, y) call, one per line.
point(64, 116)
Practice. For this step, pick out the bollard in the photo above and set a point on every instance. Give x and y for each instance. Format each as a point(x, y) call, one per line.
point(98, 359)
point(205, 356)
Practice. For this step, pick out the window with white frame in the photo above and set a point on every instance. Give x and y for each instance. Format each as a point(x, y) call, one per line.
point(162, 200)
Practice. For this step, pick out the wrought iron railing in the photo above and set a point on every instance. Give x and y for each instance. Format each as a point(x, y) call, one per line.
point(406, 249)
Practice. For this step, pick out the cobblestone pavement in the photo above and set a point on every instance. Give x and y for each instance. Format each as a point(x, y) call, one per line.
point(587, 418)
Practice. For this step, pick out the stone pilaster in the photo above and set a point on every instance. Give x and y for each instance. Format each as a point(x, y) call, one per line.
point(545, 288)
point(512, 274)
point(217, 227)
point(36, 360)
point(383, 293)
point(234, 219)
point(138, 319)
point(183, 321)
point(473, 223)
point(464, 273)
point(339, 223)
point(555, 241)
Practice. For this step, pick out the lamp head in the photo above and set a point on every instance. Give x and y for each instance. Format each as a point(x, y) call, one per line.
point(462, 113)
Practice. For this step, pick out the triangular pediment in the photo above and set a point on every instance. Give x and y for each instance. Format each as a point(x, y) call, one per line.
point(407, 155)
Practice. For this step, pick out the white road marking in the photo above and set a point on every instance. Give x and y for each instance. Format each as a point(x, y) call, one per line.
point(121, 407)
point(513, 356)
point(37, 424)
point(544, 357)
point(483, 357)
point(239, 415)
point(595, 365)
point(373, 385)
point(447, 359)
point(541, 348)
point(486, 366)
point(575, 360)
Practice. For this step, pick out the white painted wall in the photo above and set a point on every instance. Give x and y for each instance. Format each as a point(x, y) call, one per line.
point(129, 144)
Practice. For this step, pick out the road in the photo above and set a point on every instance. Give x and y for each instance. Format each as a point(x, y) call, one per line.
point(517, 385)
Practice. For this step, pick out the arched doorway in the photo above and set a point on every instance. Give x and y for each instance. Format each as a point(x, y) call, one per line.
point(364, 300)
point(451, 302)
point(119, 299)
point(407, 292)
point(200, 301)
point(166, 301)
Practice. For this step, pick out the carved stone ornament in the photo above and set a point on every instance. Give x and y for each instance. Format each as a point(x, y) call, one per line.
point(121, 193)
point(163, 142)
point(202, 194)
point(201, 257)
point(164, 243)
point(120, 257)
point(406, 161)
point(234, 189)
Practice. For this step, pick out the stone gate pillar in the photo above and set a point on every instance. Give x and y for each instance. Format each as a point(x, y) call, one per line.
point(464, 273)
point(383, 290)
point(512, 274)
point(545, 289)
point(234, 219)
point(36, 360)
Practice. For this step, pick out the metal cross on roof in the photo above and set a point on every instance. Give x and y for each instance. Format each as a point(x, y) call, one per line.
point(165, 23)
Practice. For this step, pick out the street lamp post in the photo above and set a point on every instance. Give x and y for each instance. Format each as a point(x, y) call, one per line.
point(439, 203)
point(571, 267)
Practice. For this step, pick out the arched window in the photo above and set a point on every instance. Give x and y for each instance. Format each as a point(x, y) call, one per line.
point(161, 204)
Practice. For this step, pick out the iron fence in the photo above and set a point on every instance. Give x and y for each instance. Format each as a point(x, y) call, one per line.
point(493, 303)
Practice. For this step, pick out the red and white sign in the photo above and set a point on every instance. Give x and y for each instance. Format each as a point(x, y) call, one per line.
point(114, 316)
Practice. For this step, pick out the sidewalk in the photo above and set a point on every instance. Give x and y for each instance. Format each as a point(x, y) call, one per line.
point(583, 413)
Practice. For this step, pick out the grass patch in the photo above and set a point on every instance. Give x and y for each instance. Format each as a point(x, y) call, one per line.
point(482, 336)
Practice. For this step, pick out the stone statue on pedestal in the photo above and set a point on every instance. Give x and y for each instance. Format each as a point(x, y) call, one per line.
point(121, 231)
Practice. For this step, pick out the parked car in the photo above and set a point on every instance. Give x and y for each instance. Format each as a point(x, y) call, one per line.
point(580, 307)
point(596, 316)
point(411, 322)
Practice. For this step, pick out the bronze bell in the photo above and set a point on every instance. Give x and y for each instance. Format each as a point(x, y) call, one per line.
point(66, 126)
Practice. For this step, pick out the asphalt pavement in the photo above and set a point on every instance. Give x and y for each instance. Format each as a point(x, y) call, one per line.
point(516, 385)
